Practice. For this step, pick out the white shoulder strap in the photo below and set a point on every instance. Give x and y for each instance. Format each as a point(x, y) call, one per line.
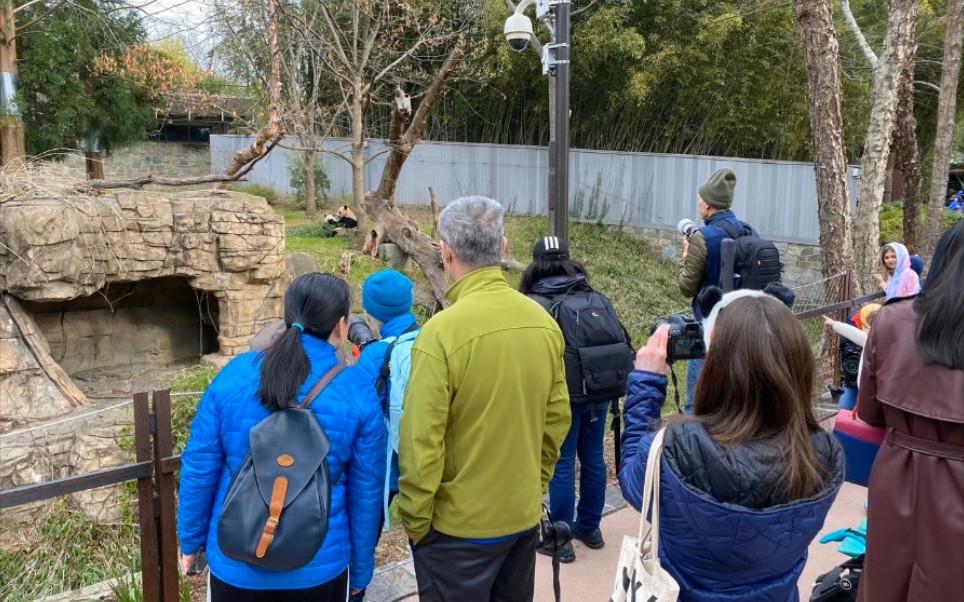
point(651, 492)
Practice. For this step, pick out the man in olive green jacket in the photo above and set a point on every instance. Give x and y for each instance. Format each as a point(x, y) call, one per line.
point(485, 413)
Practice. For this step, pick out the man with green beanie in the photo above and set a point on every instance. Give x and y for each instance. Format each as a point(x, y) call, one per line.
point(699, 267)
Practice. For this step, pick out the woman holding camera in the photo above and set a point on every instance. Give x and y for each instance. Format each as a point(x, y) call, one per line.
point(912, 382)
point(748, 480)
point(248, 390)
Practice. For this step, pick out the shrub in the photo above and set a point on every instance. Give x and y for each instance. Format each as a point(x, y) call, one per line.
point(892, 221)
point(266, 192)
point(322, 183)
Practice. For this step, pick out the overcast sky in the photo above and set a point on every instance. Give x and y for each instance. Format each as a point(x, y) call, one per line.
point(184, 19)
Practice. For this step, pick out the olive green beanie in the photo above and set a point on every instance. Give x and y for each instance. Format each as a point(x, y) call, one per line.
point(717, 191)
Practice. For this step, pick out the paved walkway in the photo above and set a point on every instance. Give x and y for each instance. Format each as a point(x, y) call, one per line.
point(590, 578)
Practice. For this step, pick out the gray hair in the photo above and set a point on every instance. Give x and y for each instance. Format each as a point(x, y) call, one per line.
point(472, 227)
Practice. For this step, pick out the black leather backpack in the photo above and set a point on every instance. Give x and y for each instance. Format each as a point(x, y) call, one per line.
point(275, 514)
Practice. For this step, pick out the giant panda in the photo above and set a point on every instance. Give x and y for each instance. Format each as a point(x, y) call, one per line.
point(344, 218)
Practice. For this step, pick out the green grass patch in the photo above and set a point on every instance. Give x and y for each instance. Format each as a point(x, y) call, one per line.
point(73, 551)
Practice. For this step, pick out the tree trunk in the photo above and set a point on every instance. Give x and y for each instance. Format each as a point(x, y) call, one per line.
point(815, 22)
point(908, 155)
point(898, 42)
point(311, 201)
point(12, 147)
point(888, 194)
point(945, 127)
point(272, 131)
point(94, 163)
point(358, 163)
point(395, 226)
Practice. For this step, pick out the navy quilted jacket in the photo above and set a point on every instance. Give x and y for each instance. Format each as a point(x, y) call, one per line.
point(722, 536)
point(349, 411)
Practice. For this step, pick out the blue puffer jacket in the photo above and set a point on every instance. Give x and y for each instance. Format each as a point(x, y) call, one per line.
point(714, 235)
point(723, 537)
point(370, 362)
point(349, 411)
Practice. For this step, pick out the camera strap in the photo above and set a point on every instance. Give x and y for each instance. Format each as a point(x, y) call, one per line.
point(672, 373)
point(556, 588)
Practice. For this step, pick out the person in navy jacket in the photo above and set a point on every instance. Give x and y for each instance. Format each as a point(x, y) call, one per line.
point(746, 482)
point(244, 393)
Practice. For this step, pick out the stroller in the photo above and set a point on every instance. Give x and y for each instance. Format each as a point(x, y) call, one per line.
point(841, 583)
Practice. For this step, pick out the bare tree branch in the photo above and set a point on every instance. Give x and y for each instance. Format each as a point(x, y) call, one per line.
point(138, 183)
point(584, 9)
point(855, 29)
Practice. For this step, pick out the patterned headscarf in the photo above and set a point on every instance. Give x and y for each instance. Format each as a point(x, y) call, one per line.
point(904, 281)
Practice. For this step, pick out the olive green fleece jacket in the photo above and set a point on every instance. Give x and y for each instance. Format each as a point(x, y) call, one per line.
point(486, 411)
point(692, 267)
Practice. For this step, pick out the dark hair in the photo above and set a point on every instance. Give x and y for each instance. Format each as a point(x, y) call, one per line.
point(757, 383)
point(317, 302)
point(939, 307)
point(547, 268)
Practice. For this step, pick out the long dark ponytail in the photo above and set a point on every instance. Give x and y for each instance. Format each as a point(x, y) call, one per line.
point(315, 302)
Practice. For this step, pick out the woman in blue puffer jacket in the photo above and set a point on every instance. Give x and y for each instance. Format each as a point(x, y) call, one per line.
point(245, 392)
point(746, 482)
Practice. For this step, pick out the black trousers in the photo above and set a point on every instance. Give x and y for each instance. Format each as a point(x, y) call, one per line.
point(452, 569)
point(335, 590)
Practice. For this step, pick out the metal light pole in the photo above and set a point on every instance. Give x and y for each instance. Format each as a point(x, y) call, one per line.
point(555, 63)
point(559, 219)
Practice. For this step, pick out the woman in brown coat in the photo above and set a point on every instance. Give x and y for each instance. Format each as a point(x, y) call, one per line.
point(915, 523)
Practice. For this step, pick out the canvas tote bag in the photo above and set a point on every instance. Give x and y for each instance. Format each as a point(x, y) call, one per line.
point(639, 576)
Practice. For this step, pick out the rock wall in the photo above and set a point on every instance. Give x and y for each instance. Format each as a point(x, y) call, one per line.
point(95, 281)
point(229, 244)
point(158, 158)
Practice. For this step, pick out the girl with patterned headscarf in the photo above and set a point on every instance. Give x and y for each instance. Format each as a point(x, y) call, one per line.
point(902, 280)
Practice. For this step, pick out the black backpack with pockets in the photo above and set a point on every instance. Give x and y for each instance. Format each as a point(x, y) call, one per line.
point(599, 354)
point(756, 262)
point(275, 514)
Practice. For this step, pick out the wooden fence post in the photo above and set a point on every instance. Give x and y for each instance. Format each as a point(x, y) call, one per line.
point(164, 484)
point(150, 567)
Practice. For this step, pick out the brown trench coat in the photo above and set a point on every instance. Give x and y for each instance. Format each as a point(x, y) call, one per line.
point(915, 520)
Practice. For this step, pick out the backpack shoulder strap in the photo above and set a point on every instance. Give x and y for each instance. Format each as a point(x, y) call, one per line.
point(729, 229)
point(385, 371)
point(320, 386)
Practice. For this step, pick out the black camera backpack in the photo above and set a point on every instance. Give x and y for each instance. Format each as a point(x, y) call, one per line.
point(757, 261)
point(275, 514)
point(599, 354)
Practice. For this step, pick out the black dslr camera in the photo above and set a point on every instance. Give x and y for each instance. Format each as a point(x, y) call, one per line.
point(359, 332)
point(685, 338)
point(553, 534)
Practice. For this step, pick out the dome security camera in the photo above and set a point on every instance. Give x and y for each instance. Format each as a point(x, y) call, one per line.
point(518, 32)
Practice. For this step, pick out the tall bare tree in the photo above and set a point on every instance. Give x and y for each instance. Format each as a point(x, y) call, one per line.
point(898, 44)
point(908, 155)
point(905, 153)
point(272, 131)
point(370, 43)
point(815, 22)
point(946, 106)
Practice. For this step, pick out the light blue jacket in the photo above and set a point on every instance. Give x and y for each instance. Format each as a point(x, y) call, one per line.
point(351, 415)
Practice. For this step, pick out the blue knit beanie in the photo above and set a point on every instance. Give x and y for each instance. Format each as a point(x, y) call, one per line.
point(917, 264)
point(387, 295)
